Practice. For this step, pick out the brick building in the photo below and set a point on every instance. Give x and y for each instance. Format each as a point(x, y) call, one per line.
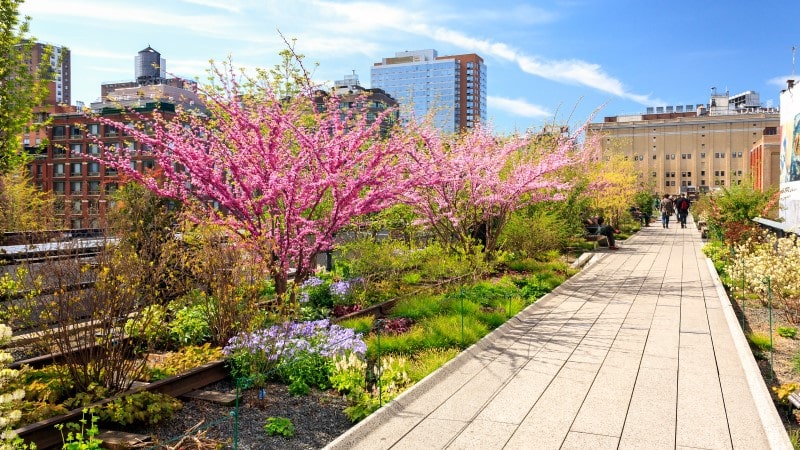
point(693, 147)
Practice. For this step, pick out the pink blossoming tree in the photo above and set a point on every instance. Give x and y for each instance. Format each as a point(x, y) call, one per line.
point(283, 174)
point(475, 180)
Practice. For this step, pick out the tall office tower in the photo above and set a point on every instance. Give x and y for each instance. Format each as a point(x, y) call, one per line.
point(697, 148)
point(59, 59)
point(451, 88)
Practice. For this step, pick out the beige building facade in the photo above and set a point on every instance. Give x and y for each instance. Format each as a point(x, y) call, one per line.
point(692, 148)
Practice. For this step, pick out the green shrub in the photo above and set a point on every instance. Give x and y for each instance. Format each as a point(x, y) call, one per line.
point(788, 332)
point(279, 426)
point(304, 369)
point(50, 384)
point(142, 407)
point(185, 359)
point(190, 325)
point(542, 231)
point(760, 341)
point(149, 326)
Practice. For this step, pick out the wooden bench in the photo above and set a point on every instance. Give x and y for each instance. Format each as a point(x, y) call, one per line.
point(598, 239)
point(703, 227)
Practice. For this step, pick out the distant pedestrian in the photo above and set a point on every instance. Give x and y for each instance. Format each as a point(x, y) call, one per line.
point(667, 208)
point(682, 207)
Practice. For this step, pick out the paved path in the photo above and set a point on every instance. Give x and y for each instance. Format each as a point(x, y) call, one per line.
point(639, 350)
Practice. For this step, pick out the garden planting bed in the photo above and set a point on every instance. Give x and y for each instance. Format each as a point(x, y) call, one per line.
point(785, 353)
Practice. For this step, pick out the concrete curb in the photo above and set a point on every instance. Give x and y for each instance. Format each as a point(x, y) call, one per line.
point(771, 421)
point(357, 433)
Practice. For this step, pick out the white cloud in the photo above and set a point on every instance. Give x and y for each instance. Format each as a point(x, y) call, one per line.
point(518, 107)
point(781, 80)
point(365, 17)
point(127, 13)
point(225, 5)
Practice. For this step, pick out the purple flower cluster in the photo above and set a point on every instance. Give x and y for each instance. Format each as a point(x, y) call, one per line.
point(284, 342)
point(311, 282)
point(340, 288)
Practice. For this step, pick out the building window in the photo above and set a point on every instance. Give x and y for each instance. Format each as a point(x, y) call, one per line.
point(666, 183)
point(75, 149)
point(702, 173)
point(75, 168)
point(654, 174)
point(94, 188)
point(720, 155)
point(94, 128)
point(76, 206)
point(739, 154)
point(58, 187)
point(672, 183)
point(58, 170)
point(76, 187)
point(686, 156)
point(75, 132)
point(59, 132)
point(654, 157)
point(94, 149)
point(702, 154)
point(672, 156)
point(702, 182)
point(75, 224)
point(59, 151)
point(94, 169)
point(683, 183)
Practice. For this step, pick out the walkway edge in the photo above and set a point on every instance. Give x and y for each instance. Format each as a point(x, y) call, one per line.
point(356, 434)
point(771, 421)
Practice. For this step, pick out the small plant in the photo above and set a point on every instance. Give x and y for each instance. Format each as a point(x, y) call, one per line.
point(190, 325)
point(150, 326)
point(788, 332)
point(398, 325)
point(142, 407)
point(79, 437)
point(185, 359)
point(279, 426)
point(760, 341)
point(783, 391)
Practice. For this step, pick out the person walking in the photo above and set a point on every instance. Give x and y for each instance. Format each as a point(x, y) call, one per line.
point(682, 208)
point(667, 208)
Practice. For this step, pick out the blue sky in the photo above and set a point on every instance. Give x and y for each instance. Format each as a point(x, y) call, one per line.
point(547, 60)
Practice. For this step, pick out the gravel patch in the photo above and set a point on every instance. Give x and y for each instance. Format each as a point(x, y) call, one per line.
point(318, 419)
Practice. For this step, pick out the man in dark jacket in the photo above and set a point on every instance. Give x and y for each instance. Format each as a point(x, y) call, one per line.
point(682, 207)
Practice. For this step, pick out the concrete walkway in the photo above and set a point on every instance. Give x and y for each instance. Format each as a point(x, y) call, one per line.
point(639, 350)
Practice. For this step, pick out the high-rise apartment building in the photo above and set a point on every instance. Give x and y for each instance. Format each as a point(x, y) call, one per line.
point(60, 61)
point(451, 88)
point(688, 148)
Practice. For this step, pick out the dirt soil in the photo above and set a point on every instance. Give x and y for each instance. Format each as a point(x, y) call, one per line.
point(785, 352)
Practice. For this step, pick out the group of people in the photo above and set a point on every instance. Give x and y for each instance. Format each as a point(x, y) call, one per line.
point(678, 206)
